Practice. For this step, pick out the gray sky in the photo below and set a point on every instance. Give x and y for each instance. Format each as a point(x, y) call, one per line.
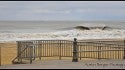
point(62, 10)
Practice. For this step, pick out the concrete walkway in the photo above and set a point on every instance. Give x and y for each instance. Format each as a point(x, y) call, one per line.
point(68, 64)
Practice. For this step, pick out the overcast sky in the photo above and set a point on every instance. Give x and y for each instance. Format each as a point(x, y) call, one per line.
point(62, 10)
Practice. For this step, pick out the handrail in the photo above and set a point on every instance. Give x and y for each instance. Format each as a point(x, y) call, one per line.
point(99, 50)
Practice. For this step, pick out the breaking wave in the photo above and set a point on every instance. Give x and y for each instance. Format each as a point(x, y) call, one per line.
point(79, 32)
point(93, 27)
point(83, 27)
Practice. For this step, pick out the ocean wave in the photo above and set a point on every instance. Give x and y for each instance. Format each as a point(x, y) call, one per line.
point(93, 27)
point(85, 27)
point(65, 35)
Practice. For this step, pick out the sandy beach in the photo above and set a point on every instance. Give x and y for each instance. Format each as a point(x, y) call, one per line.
point(8, 52)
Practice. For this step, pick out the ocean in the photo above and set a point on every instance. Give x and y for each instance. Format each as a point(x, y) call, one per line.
point(60, 30)
point(52, 26)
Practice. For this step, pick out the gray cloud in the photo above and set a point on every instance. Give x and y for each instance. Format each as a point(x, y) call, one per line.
point(63, 9)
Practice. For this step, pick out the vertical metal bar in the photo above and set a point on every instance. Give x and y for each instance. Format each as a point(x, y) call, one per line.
point(47, 48)
point(99, 51)
point(75, 51)
point(18, 50)
point(37, 49)
point(26, 53)
point(51, 48)
point(34, 45)
point(124, 50)
point(80, 52)
point(113, 52)
point(60, 50)
point(109, 52)
point(104, 51)
point(28, 50)
point(85, 50)
point(34, 51)
point(40, 49)
point(64, 47)
point(36, 54)
point(31, 53)
point(90, 50)
point(70, 48)
point(118, 52)
point(43, 49)
point(21, 48)
point(19, 53)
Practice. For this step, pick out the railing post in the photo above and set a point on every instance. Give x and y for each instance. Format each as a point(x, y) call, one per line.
point(19, 51)
point(99, 50)
point(31, 53)
point(80, 53)
point(124, 49)
point(75, 51)
point(60, 50)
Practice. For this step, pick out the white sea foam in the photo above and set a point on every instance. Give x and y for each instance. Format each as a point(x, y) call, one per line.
point(64, 35)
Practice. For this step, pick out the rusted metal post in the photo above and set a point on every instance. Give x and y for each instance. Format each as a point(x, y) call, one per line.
point(75, 51)
point(124, 50)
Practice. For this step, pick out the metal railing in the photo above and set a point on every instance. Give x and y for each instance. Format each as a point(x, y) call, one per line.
point(113, 49)
point(99, 49)
point(44, 48)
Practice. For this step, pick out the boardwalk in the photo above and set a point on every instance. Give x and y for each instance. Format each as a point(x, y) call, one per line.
point(68, 64)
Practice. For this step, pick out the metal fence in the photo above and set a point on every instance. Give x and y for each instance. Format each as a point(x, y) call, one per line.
point(96, 49)
point(99, 49)
point(43, 48)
